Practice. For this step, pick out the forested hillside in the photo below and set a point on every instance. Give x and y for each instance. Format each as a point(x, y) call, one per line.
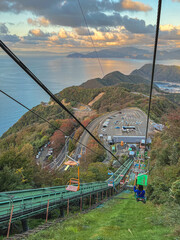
point(163, 73)
point(165, 161)
point(114, 78)
point(20, 144)
point(118, 97)
point(164, 176)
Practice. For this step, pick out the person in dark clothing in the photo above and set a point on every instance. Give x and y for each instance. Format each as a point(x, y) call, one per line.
point(140, 193)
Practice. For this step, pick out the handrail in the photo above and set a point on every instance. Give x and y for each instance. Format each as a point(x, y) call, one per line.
point(29, 202)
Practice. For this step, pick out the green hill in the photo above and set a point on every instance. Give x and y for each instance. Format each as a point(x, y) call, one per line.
point(115, 97)
point(174, 97)
point(163, 73)
point(114, 78)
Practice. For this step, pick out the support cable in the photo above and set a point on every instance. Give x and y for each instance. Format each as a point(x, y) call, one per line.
point(26, 69)
point(91, 37)
point(49, 122)
point(56, 128)
point(153, 68)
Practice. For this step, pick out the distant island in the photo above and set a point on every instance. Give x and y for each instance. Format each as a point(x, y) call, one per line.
point(129, 52)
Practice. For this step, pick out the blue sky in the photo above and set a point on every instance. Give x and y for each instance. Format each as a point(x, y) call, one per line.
point(58, 26)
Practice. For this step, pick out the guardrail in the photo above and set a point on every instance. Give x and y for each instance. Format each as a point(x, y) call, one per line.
point(31, 202)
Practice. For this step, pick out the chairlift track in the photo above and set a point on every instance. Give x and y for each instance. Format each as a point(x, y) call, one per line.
point(32, 202)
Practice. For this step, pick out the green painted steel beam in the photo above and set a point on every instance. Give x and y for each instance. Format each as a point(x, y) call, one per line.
point(28, 203)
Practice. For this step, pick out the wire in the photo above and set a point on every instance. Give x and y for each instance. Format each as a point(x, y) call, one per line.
point(26, 69)
point(50, 123)
point(46, 120)
point(91, 37)
point(153, 67)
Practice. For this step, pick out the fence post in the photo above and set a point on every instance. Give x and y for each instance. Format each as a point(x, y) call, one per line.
point(102, 195)
point(106, 194)
point(90, 201)
point(61, 212)
point(68, 207)
point(10, 221)
point(97, 198)
point(47, 210)
point(25, 225)
point(81, 204)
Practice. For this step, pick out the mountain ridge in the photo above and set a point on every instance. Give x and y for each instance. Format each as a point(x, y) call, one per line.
point(128, 52)
point(114, 78)
point(163, 73)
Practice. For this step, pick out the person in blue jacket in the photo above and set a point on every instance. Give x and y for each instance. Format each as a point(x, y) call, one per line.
point(140, 193)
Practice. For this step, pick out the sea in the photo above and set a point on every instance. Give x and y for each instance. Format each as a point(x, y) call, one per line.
point(54, 72)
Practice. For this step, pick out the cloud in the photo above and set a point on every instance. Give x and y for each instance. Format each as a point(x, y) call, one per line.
point(54, 38)
point(62, 33)
point(137, 26)
point(170, 35)
point(108, 27)
point(169, 32)
point(63, 6)
point(3, 28)
point(36, 36)
point(37, 32)
point(135, 6)
point(167, 27)
point(176, 0)
point(83, 31)
point(10, 38)
point(98, 13)
point(41, 21)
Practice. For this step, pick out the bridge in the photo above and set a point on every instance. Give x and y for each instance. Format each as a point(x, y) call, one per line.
point(32, 202)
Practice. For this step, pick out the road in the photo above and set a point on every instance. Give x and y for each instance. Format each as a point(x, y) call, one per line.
point(61, 156)
point(85, 136)
point(117, 119)
point(128, 116)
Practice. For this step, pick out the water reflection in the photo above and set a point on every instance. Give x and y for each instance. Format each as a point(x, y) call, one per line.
point(56, 73)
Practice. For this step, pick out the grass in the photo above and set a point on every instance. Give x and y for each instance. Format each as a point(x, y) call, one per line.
point(118, 218)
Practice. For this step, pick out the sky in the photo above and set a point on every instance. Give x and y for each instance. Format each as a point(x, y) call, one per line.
point(58, 26)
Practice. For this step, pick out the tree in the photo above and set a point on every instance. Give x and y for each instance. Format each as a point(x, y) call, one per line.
point(10, 180)
point(175, 191)
point(71, 145)
point(57, 141)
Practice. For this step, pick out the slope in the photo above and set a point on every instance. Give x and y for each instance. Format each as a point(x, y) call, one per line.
point(114, 78)
point(116, 219)
point(163, 73)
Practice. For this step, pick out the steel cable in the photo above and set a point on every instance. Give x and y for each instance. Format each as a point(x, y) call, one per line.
point(91, 37)
point(153, 69)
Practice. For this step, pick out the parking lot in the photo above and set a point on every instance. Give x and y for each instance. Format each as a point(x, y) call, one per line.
point(127, 117)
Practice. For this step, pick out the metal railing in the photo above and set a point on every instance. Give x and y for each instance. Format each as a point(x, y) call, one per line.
point(31, 202)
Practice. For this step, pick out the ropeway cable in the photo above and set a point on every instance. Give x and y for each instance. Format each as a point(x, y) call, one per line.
point(153, 69)
point(152, 74)
point(91, 37)
point(46, 120)
point(26, 69)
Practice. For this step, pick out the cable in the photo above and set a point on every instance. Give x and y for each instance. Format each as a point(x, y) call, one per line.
point(50, 123)
point(91, 38)
point(153, 67)
point(26, 69)
point(46, 120)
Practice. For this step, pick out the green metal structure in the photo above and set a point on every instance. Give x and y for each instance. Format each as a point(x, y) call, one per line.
point(31, 202)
